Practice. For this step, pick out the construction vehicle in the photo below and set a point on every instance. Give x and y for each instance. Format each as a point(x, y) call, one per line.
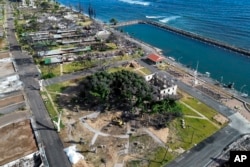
point(117, 121)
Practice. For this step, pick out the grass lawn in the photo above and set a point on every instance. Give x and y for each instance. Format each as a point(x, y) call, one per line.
point(186, 110)
point(201, 107)
point(49, 105)
point(77, 66)
point(125, 57)
point(162, 66)
point(65, 46)
point(162, 157)
point(58, 87)
point(146, 71)
point(46, 69)
point(85, 23)
point(52, 113)
point(111, 45)
point(22, 22)
point(115, 69)
point(67, 67)
point(196, 130)
point(139, 72)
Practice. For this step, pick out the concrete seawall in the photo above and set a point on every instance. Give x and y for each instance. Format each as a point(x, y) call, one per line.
point(189, 35)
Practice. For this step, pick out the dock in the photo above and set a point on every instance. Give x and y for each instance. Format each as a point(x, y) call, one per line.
point(187, 34)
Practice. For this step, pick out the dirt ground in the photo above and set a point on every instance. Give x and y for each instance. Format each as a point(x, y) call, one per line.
point(74, 132)
point(11, 100)
point(2, 44)
point(6, 68)
point(103, 120)
point(161, 134)
point(220, 119)
point(106, 147)
point(16, 141)
point(4, 55)
point(83, 163)
point(110, 148)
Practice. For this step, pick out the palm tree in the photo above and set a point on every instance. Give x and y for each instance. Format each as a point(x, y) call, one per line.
point(113, 21)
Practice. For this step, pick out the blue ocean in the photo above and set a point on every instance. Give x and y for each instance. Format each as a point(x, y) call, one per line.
point(227, 21)
point(224, 20)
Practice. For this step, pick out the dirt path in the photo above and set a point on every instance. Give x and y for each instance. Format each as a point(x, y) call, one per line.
point(194, 110)
point(56, 93)
point(201, 115)
point(97, 132)
point(190, 116)
point(156, 139)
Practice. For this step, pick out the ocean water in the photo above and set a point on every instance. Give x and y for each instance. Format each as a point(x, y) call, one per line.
point(224, 65)
point(224, 20)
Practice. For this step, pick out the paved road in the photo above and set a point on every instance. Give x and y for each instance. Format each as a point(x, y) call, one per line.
point(205, 151)
point(27, 70)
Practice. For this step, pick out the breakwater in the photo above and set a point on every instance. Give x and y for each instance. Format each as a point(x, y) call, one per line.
point(188, 34)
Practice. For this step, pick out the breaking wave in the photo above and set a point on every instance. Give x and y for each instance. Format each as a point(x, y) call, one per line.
point(154, 17)
point(168, 19)
point(136, 2)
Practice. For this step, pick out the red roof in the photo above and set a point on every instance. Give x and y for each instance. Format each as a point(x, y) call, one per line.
point(155, 58)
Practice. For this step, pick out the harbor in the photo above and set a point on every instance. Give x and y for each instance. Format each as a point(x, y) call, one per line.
point(209, 56)
point(187, 34)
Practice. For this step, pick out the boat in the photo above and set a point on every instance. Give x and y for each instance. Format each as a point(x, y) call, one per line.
point(171, 58)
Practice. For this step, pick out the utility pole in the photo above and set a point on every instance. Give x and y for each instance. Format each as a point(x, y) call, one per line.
point(195, 74)
point(57, 124)
point(192, 137)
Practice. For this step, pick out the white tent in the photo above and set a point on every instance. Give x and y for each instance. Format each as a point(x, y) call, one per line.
point(73, 156)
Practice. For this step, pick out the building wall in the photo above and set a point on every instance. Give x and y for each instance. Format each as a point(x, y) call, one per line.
point(169, 91)
point(172, 90)
point(149, 77)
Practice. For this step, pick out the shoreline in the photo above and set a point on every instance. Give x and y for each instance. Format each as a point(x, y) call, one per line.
point(187, 34)
point(190, 35)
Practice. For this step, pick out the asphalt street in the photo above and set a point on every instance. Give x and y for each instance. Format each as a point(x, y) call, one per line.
point(204, 152)
point(28, 71)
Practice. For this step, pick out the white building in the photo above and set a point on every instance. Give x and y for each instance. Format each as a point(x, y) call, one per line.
point(163, 86)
